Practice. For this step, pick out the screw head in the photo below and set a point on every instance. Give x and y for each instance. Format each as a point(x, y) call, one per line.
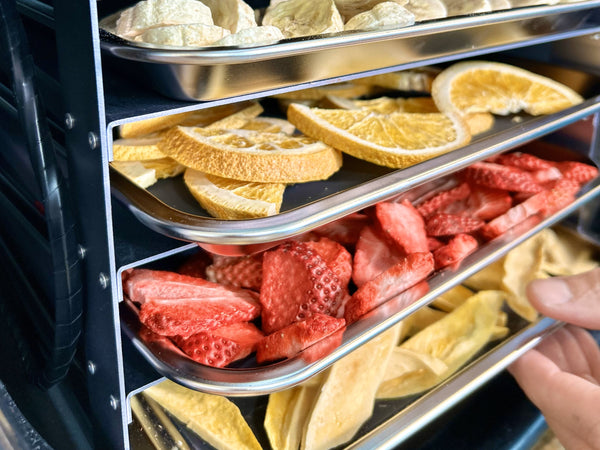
point(93, 140)
point(114, 402)
point(81, 251)
point(91, 367)
point(69, 121)
point(104, 280)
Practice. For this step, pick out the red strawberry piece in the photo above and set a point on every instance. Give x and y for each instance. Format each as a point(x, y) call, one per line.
point(403, 224)
point(523, 161)
point(239, 271)
point(442, 224)
point(497, 176)
point(433, 243)
point(188, 316)
point(443, 199)
point(296, 284)
point(195, 265)
point(561, 195)
point(544, 176)
point(515, 215)
point(292, 339)
point(221, 347)
point(402, 300)
point(335, 256)
point(412, 269)
point(483, 203)
point(577, 171)
point(142, 285)
point(345, 230)
point(323, 347)
point(457, 249)
point(373, 255)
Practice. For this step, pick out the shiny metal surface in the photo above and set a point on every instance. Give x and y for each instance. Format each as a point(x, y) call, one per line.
point(170, 362)
point(219, 72)
point(377, 184)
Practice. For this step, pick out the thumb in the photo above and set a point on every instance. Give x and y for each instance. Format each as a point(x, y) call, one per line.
point(574, 299)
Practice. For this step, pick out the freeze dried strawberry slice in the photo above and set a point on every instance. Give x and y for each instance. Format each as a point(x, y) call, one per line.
point(457, 249)
point(141, 285)
point(402, 300)
point(544, 176)
point(188, 316)
point(296, 284)
point(373, 255)
point(335, 256)
point(412, 269)
point(221, 347)
point(577, 171)
point(561, 195)
point(345, 230)
point(403, 224)
point(515, 215)
point(292, 339)
point(483, 203)
point(443, 199)
point(497, 176)
point(433, 243)
point(238, 271)
point(442, 224)
point(523, 161)
point(195, 265)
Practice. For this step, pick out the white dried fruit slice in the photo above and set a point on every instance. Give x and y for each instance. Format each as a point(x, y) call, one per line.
point(500, 4)
point(427, 9)
point(152, 13)
point(136, 149)
point(519, 3)
point(235, 15)
point(252, 36)
point(136, 172)
point(297, 18)
point(237, 119)
point(415, 80)
point(384, 15)
point(191, 35)
point(462, 7)
point(350, 8)
point(251, 155)
point(269, 125)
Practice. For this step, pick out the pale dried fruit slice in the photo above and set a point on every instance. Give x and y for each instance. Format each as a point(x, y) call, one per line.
point(350, 8)
point(311, 95)
point(187, 35)
point(235, 15)
point(395, 139)
point(269, 125)
point(201, 117)
point(500, 4)
point(413, 80)
point(387, 105)
point(164, 167)
point(462, 7)
point(237, 119)
point(383, 16)
point(215, 419)
point(481, 86)
point(252, 36)
point(297, 18)
point(232, 199)
point(427, 9)
point(136, 149)
point(136, 172)
point(155, 13)
point(251, 155)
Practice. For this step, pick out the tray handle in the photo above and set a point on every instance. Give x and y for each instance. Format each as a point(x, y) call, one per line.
point(66, 267)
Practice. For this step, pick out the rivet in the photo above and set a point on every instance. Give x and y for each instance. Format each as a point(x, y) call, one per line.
point(104, 279)
point(69, 121)
point(91, 367)
point(114, 402)
point(81, 251)
point(92, 139)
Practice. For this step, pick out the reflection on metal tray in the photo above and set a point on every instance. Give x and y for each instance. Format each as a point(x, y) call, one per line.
point(169, 208)
point(222, 72)
point(251, 379)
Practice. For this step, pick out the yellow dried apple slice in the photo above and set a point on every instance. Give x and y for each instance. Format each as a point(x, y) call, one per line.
point(452, 298)
point(136, 149)
point(297, 18)
point(214, 418)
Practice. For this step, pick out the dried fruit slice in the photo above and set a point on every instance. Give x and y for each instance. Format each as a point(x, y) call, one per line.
point(482, 203)
point(462, 7)
point(403, 224)
point(382, 16)
point(427, 9)
point(576, 171)
point(238, 271)
point(442, 224)
point(235, 120)
point(497, 176)
point(350, 8)
point(221, 347)
point(251, 155)
point(292, 339)
point(524, 161)
point(187, 35)
point(409, 271)
point(345, 230)
point(234, 15)
point(413, 80)
point(205, 415)
point(297, 18)
point(136, 172)
point(232, 199)
point(296, 284)
point(269, 125)
point(137, 149)
point(480, 86)
point(457, 249)
point(335, 256)
point(442, 199)
point(396, 139)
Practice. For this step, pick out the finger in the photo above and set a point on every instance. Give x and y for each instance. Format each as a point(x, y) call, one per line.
point(567, 437)
point(561, 396)
point(574, 299)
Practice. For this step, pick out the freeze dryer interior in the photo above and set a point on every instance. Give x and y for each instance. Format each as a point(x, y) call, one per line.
point(74, 227)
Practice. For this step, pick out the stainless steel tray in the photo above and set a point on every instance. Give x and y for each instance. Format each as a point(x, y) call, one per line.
point(169, 208)
point(213, 73)
point(250, 379)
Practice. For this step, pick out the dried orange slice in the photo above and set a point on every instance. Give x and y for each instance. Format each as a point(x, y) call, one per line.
point(251, 155)
point(136, 149)
point(225, 198)
point(480, 86)
point(394, 138)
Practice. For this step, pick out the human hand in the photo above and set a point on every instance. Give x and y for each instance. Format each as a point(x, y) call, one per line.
point(561, 376)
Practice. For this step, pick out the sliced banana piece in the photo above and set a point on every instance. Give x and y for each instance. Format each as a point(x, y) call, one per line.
point(297, 18)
